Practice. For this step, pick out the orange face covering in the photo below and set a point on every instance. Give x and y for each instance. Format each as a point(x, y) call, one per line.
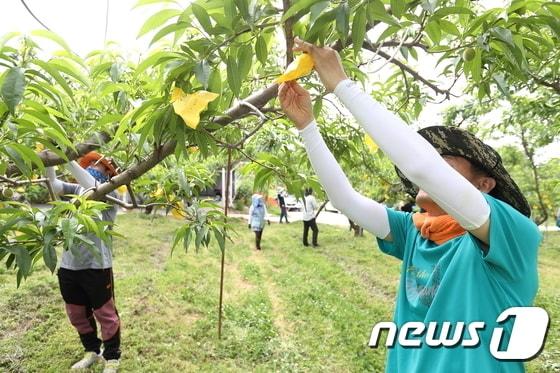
point(437, 228)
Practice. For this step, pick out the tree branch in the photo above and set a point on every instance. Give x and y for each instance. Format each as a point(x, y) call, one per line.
point(258, 99)
point(288, 34)
point(408, 69)
point(135, 171)
point(50, 158)
point(240, 110)
point(555, 85)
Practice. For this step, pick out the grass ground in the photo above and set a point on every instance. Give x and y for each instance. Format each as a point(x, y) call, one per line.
point(286, 308)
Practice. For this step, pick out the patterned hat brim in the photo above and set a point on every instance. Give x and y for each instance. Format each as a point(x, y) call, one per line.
point(458, 142)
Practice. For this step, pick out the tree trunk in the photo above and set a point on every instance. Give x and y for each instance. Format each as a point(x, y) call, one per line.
point(543, 216)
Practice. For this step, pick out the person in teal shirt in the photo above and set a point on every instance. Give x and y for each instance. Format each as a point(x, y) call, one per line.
point(457, 282)
point(469, 256)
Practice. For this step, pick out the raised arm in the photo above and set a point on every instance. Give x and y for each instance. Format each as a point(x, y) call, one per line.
point(364, 211)
point(409, 151)
point(56, 184)
point(82, 176)
point(416, 158)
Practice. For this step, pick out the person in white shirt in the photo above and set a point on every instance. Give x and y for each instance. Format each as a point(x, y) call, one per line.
point(86, 274)
point(309, 207)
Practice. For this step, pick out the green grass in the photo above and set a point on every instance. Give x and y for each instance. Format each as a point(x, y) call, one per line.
point(285, 309)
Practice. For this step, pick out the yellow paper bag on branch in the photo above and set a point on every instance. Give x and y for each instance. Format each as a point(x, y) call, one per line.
point(189, 106)
point(302, 65)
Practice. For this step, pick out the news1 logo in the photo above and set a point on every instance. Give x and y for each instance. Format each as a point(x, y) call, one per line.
point(525, 341)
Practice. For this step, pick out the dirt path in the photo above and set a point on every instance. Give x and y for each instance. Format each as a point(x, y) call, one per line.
point(285, 329)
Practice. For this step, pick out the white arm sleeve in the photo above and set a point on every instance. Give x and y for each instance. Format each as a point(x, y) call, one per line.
point(82, 176)
point(367, 213)
point(56, 184)
point(416, 158)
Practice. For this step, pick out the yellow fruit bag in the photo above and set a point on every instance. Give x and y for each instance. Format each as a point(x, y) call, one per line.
point(302, 65)
point(189, 106)
point(178, 212)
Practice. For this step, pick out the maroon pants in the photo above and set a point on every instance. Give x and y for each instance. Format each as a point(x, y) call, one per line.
point(89, 296)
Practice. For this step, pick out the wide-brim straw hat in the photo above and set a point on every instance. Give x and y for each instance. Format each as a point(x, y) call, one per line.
point(458, 142)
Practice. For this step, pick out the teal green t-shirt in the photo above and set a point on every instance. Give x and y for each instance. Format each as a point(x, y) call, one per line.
point(457, 282)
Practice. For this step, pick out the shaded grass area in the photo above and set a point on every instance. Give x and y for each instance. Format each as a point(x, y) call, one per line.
point(286, 308)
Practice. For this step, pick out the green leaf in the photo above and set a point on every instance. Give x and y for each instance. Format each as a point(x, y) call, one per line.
point(554, 8)
point(243, 7)
point(174, 27)
point(317, 9)
point(188, 238)
point(69, 69)
point(17, 159)
point(342, 16)
point(13, 87)
point(483, 90)
point(443, 12)
point(201, 236)
point(245, 60)
point(183, 183)
point(233, 75)
point(46, 119)
point(100, 69)
point(398, 7)
point(10, 35)
point(47, 91)
point(296, 7)
point(502, 84)
point(115, 72)
point(503, 35)
point(359, 30)
point(413, 53)
point(157, 20)
point(476, 67)
point(23, 260)
point(388, 32)
point(449, 27)
point(320, 24)
point(220, 237)
point(434, 31)
point(156, 59)
point(261, 50)
point(317, 107)
point(29, 156)
point(179, 235)
point(202, 17)
point(122, 102)
point(229, 13)
point(56, 75)
point(376, 12)
point(482, 20)
point(7, 225)
point(53, 37)
point(202, 72)
point(49, 251)
point(68, 229)
point(215, 85)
